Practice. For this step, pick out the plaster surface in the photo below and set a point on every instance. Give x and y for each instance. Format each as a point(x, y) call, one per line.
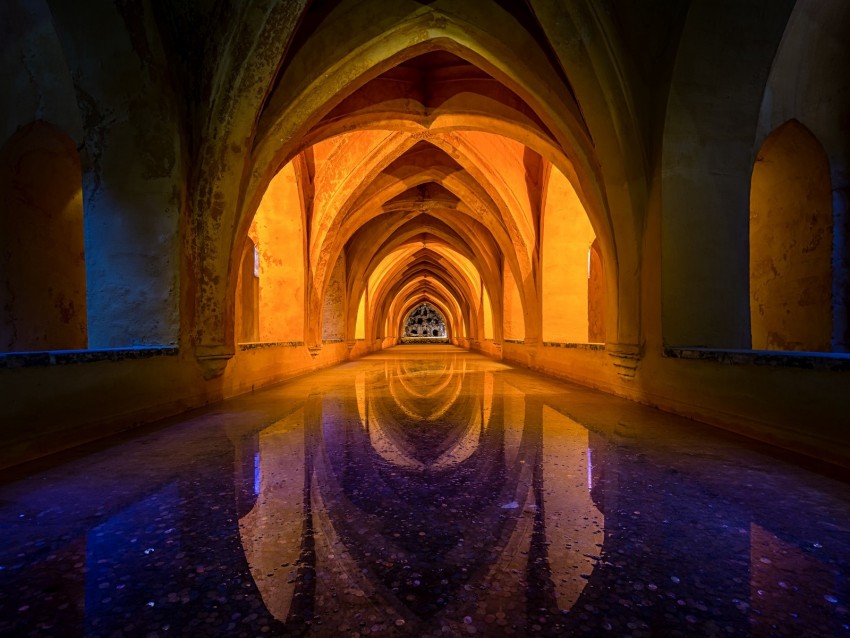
point(423, 491)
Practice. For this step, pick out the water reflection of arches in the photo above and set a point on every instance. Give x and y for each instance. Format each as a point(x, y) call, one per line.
point(271, 509)
point(359, 505)
point(449, 420)
point(426, 389)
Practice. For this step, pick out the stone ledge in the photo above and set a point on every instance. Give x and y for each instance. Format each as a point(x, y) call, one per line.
point(333, 340)
point(806, 360)
point(258, 345)
point(67, 357)
point(576, 346)
point(517, 341)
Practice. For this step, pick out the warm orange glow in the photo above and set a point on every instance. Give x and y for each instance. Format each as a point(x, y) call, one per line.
point(279, 236)
point(42, 255)
point(567, 459)
point(567, 237)
point(248, 295)
point(487, 311)
point(360, 329)
point(627, 195)
point(596, 295)
point(458, 217)
point(514, 321)
point(333, 305)
point(791, 243)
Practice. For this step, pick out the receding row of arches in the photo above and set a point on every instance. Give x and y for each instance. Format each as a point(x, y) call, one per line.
point(792, 244)
point(428, 165)
point(422, 254)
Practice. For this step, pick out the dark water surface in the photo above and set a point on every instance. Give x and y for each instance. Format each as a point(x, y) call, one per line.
point(424, 491)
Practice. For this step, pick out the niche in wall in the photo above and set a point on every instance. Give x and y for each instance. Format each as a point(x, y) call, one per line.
point(42, 253)
point(248, 285)
point(595, 295)
point(514, 320)
point(567, 265)
point(278, 230)
point(333, 307)
point(791, 243)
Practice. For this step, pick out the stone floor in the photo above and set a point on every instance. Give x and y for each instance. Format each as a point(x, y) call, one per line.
point(424, 491)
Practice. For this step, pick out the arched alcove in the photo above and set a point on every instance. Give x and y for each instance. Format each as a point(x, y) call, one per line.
point(567, 237)
point(487, 311)
point(248, 298)
point(514, 320)
point(279, 230)
point(333, 308)
point(360, 323)
point(791, 243)
point(596, 294)
point(706, 162)
point(42, 254)
point(136, 157)
point(804, 86)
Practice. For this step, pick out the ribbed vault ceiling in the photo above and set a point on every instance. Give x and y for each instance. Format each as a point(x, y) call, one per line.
point(427, 176)
point(437, 123)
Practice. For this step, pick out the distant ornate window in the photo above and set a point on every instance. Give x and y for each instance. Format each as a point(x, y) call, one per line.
point(425, 321)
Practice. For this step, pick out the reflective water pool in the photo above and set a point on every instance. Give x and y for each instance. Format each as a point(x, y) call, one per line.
point(424, 491)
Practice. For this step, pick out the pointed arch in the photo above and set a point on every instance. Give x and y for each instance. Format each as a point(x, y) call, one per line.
point(42, 253)
point(299, 103)
point(791, 243)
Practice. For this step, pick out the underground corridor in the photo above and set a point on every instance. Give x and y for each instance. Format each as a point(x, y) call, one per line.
point(425, 317)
